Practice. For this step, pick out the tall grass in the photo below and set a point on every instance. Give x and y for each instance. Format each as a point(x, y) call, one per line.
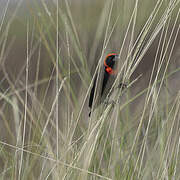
point(46, 132)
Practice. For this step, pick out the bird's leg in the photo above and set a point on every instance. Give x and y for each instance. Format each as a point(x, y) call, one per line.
point(122, 86)
point(107, 102)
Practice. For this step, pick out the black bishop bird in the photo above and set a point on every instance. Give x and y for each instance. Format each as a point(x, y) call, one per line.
point(105, 80)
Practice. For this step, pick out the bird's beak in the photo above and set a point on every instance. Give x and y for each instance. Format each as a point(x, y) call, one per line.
point(117, 57)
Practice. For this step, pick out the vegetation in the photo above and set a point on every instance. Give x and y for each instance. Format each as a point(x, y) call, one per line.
point(50, 52)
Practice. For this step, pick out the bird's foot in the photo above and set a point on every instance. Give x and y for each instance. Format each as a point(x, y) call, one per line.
point(122, 86)
point(106, 102)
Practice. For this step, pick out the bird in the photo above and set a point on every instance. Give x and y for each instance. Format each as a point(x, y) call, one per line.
point(105, 81)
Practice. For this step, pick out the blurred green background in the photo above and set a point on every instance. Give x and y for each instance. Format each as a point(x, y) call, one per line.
point(82, 29)
point(29, 29)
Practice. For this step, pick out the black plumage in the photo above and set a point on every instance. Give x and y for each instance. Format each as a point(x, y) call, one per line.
point(105, 81)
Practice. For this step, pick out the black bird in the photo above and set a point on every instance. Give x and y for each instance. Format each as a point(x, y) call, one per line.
point(105, 80)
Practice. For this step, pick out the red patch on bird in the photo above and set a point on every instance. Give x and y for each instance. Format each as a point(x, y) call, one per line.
point(108, 69)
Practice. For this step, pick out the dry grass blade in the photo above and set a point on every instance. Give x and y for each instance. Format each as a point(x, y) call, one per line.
point(48, 49)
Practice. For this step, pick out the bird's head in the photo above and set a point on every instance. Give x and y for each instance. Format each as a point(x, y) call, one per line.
point(109, 63)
